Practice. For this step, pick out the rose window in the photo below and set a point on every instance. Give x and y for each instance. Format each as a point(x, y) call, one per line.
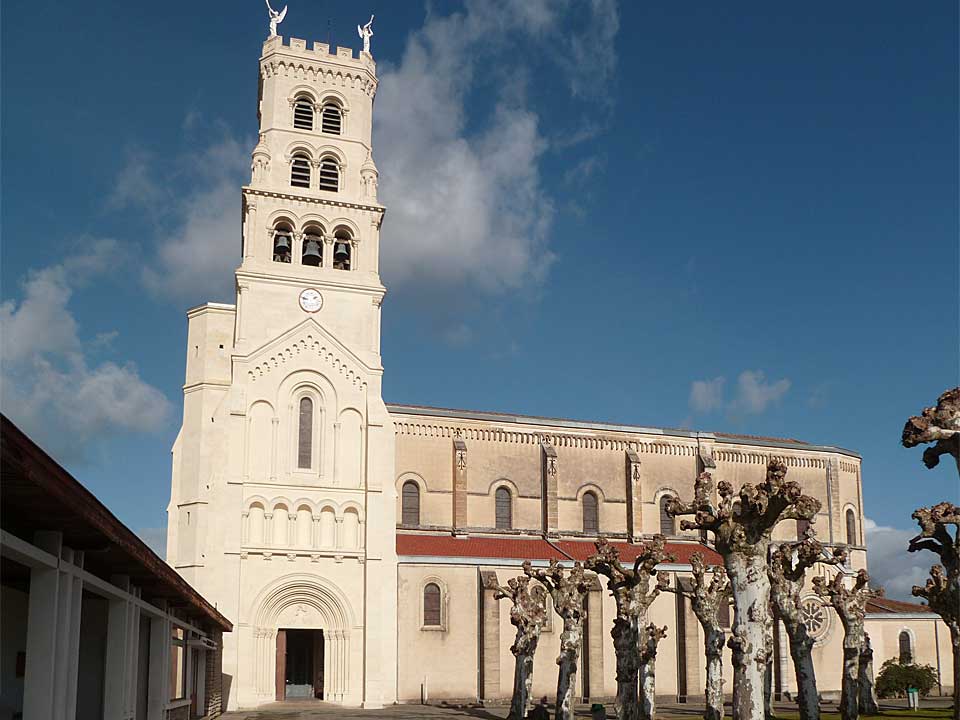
point(814, 615)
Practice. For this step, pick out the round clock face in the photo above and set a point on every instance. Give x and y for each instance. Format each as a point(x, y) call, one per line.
point(311, 300)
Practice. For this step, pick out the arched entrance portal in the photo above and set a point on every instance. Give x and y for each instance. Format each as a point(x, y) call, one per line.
point(302, 640)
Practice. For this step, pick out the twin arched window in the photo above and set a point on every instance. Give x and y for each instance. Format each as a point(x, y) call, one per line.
point(591, 513)
point(504, 509)
point(331, 115)
point(851, 527)
point(301, 172)
point(410, 504)
point(668, 525)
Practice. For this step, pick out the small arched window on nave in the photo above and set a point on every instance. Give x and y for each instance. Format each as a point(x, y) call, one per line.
point(410, 504)
point(851, 527)
point(668, 525)
point(504, 509)
point(305, 433)
point(591, 513)
point(432, 615)
point(905, 643)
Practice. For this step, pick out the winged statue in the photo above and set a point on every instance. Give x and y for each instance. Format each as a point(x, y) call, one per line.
point(275, 18)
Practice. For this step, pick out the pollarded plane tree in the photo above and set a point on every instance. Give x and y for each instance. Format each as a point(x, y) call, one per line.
point(789, 563)
point(710, 591)
point(528, 614)
point(567, 589)
point(633, 595)
point(868, 689)
point(942, 590)
point(742, 525)
point(940, 425)
point(851, 606)
point(650, 637)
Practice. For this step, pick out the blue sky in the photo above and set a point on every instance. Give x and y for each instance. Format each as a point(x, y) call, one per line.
point(674, 214)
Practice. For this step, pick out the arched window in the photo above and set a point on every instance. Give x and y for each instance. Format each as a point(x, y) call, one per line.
point(331, 119)
point(410, 501)
point(329, 174)
point(591, 520)
point(802, 526)
point(504, 509)
point(282, 243)
point(342, 249)
point(300, 171)
point(303, 113)
point(906, 648)
point(432, 616)
point(312, 253)
point(305, 434)
point(851, 527)
point(667, 525)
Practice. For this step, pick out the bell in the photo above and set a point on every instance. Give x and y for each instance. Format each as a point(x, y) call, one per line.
point(341, 256)
point(312, 254)
point(281, 249)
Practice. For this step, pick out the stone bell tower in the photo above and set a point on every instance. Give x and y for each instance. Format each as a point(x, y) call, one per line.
point(282, 505)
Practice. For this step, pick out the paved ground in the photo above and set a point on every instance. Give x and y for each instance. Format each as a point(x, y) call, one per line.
point(931, 709)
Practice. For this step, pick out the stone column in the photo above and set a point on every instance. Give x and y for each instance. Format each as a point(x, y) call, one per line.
point(548, 474)
point(833, 499)
point(597, 637)
point(158, 688)
point(634, 497)
point(459, 485)
point(490, 640)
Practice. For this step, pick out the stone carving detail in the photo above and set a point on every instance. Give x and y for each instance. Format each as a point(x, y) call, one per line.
point(567, 590)
point(366, 32)
point(805, 620)
point(742, 525)
point(850, 604)
point(528, 614)
point(275, 18)
point(711, 590)
point(633, 596)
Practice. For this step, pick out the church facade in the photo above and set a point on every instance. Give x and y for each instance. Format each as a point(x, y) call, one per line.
point(356, 546)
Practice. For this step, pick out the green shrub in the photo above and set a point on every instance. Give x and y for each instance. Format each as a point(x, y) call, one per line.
point(894, 679)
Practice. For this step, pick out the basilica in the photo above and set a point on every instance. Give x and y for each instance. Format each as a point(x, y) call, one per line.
point(356, 545)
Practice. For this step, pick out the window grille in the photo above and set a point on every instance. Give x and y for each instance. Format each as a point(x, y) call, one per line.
point(300, 171)
point(329, 175)
point(851, 528)
point(305, 438)
point(667, 524)
point(303, 114)
point(331, 119)
point(906, 648)
point(504, 509)
point(591, 521)
point(410, 512)
point(431, 605)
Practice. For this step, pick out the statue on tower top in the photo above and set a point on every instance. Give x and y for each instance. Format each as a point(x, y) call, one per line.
point(276, 18)
point(366, 32)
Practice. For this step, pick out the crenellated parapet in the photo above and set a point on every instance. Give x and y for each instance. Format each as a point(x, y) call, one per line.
point(319, 64)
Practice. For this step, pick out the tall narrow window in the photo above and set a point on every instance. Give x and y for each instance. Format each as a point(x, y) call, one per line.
point(410, 498)
point(504, 509)
point(303, 114)
point(300, 171)
point(802, 526)
point(331, 119)
point(305, 435)
point(329, 174)
point(591, 520)
point(667, 524)
point(431, 605)
point(851, 527)
point(906, 648)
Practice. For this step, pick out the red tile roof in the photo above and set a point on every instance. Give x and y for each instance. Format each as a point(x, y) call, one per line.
point(515, 548)
point(886, 605)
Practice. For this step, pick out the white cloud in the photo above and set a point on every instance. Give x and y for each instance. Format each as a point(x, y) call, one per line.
point(755, 394)
point(195, 263)
point(706, 395)
point(467, 205)
point(890, 565)
point(49, 387)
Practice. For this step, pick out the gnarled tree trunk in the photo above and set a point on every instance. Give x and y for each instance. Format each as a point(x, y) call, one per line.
point(713, 641)
point(751, 599)
point(650, 636)
point(868, 694)
point(528, 614)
